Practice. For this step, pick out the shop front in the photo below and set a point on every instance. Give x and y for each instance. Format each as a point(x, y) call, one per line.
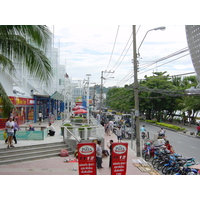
point(24, 111)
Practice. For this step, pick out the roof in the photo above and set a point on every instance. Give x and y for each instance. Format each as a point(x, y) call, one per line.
point(57, 95)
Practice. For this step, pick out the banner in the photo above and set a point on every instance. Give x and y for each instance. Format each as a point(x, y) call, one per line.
point(119, 158)
point(87, 158)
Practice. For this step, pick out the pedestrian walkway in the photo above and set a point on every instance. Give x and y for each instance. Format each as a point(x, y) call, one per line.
point(49, 139)
point(56, 165)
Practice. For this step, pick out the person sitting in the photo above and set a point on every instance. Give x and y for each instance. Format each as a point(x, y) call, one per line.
point(31, 128)
point(169, 147)
point(161, 132)
point(51, 130)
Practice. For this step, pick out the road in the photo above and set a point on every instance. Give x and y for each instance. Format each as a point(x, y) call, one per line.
point(182, 144)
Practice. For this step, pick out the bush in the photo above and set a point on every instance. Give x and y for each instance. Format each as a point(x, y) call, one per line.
point(78, 120)
point(81, 129)
point(68, 126)
point(177, 128)
point(150, 121)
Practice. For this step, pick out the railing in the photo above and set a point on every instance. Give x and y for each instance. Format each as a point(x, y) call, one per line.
point(83, 133)
point(68, 134)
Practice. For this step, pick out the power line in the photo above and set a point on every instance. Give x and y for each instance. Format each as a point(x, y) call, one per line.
point(113, 47)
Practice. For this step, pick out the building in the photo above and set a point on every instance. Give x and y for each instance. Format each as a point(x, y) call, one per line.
point(30, 96)
point(193, 40)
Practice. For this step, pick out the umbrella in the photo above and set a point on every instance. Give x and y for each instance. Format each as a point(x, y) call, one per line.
point(79, 107)
point(80, 111)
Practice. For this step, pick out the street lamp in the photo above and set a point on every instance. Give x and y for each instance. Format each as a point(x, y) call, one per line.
point(135, 66)
point(162, 28)
point(88, 75)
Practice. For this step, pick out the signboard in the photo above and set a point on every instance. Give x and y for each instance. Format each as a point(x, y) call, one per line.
point(119, 158)
point(87, 158)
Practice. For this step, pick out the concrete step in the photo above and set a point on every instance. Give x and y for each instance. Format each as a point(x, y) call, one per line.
point(33, 152)
point(33, 148)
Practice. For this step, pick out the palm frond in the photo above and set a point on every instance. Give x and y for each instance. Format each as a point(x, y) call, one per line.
point(6, 63)
point(36, 34)
point(7, 105)
point(33, 58)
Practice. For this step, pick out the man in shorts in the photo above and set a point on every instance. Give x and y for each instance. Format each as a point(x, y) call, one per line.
point(10, 131)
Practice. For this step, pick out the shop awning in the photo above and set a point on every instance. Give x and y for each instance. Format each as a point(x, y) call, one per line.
point(58, 96)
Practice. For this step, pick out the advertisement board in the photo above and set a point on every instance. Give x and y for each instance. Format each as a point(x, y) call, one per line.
point(119, 158)
point(87, 158)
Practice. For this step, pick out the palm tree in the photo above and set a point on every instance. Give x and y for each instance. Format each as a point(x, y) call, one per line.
point(25, 44)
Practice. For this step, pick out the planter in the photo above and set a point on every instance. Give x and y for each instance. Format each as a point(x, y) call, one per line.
point(82, 132)
point(68, 127)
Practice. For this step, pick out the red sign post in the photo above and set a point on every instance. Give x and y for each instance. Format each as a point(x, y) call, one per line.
point(119, 158)
point(87, 159)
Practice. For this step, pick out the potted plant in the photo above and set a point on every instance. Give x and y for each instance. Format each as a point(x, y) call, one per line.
point(69, 126)
point(82, 129)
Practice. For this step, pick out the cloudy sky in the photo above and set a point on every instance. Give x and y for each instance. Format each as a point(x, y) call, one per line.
point(91, 49)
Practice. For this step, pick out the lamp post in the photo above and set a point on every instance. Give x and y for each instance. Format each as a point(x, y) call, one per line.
point(88, 87)
point(136, 97)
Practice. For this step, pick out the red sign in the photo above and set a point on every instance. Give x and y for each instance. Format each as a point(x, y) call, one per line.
point(119, 158)
point(87, 158)
point(21, 101)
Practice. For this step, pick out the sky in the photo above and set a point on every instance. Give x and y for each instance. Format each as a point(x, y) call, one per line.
point(86, 32)
point(91, 49)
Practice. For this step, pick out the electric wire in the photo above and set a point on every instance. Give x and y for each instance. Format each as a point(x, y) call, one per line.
point(113, 47)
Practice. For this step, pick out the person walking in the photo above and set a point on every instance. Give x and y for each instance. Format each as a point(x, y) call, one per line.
point(99, 154)
point(119, 134)
point(10, 131)
point(16, 128)
point(110, 147)
point(110, 127)
point(40, 117)
point(98, 117)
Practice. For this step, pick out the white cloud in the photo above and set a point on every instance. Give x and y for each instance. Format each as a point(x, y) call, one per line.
point(86, 49)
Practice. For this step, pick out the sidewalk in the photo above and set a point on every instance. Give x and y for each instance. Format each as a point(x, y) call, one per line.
point(57, 166)
point(57, 138)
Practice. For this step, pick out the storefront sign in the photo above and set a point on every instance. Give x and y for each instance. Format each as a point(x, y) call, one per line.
point(21, 101)
point(119, 158)
point(87, 158)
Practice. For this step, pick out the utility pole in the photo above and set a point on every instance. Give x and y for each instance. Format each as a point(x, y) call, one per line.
point(101, 91)
point(135, 87)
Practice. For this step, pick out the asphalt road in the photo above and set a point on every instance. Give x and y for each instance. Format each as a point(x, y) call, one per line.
point(182, 144)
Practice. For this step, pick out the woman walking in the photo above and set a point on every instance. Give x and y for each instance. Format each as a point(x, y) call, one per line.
point(16, 128)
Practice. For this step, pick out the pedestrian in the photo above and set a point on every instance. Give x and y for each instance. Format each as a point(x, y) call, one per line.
point(198, 129)
point(119, 134)
point(110, 147)
point(110, 127)
point(10, 131)
point(16, 128)
point(51, 130)
point(98, 118)
point(99, 154)
point(40, 117)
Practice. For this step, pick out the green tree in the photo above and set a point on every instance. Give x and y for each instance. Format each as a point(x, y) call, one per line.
point(25, 44)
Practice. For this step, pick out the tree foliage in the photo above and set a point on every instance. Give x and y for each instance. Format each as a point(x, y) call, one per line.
point(160, 96)
point(25, 44)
